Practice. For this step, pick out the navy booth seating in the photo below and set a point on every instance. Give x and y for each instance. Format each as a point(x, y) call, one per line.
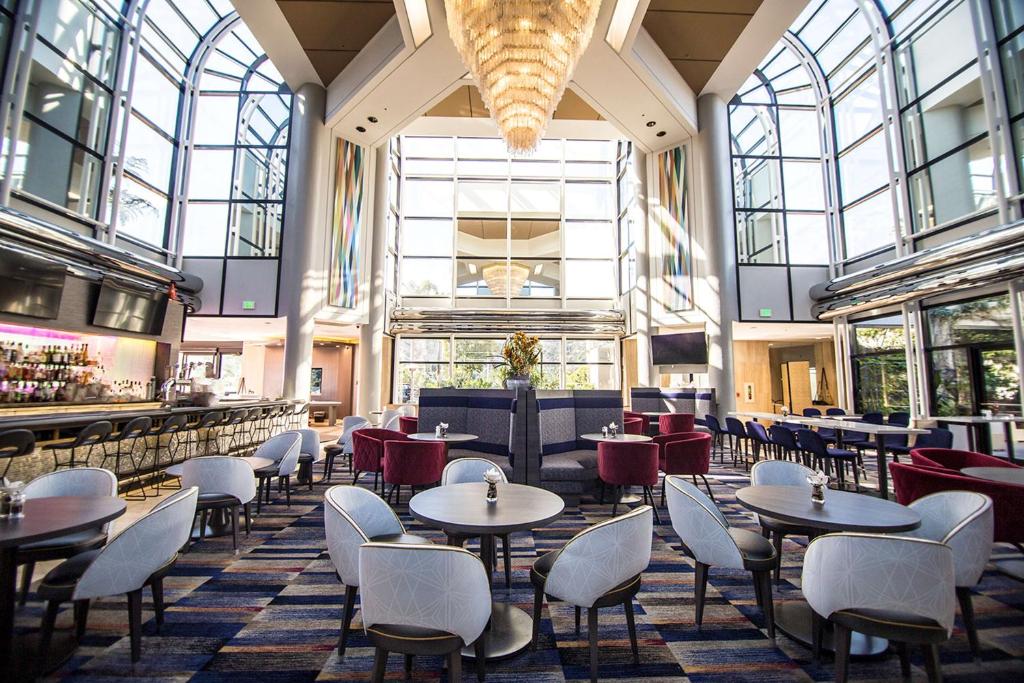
point(568, 464)
point(698, 402)
point(488, 413)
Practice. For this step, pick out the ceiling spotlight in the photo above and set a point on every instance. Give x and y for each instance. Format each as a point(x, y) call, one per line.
point(661, 133)
point(371, 119)
point(361, 129)
point(652, 124)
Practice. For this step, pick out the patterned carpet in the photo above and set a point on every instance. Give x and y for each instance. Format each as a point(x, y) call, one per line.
point(271, 614)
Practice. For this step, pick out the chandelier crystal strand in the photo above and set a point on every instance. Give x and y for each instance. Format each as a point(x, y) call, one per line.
point(522, 54)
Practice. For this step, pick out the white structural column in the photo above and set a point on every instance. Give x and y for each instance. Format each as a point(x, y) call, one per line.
point(302, 277)
point(647, 375)
point(721, 306)
point(371, 335)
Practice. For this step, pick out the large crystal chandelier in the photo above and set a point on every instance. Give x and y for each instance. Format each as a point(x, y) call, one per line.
point(521, 53)
point(502, 278)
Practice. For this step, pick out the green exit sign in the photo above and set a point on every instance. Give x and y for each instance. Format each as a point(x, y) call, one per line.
point(249, 305)
point(765, 312)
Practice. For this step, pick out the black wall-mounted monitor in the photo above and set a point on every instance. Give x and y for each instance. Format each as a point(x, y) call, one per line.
point(29, 285)
point(685, 348)
point(130, 309)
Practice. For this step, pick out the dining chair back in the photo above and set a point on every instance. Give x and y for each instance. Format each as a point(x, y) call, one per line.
point(601, 557)
point(80, 481)
point(675, 422)
point(283, 449)
point(88, 438)
point(412, 463)
point(389, 420)
point(780, 473)
point(221, 474)
point(349, 424)
point(935, 437)
point(835, 411)
point(309, 444)
point(784, 439)
point(439, 591)
point(352, 516)
point(899, 419)
point(955, 459)
point(464, 470)
point(811, 412)
point(628, 463)
point(14, 443)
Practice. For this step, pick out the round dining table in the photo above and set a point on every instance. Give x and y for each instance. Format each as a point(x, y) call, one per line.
point(841, 511)
point(1005, 475)
point(618, 438)
point(463, 509)
point(44, 518)
point(219, 520)
point(450, 437)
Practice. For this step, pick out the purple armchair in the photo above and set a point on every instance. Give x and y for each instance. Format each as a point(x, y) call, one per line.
point(953, 459)
point(368, 451)
point(628, 464)
point(412, 463)
point(673, 423)
point(689, 453)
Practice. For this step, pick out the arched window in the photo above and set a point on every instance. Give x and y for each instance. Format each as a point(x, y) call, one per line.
point(206, 146)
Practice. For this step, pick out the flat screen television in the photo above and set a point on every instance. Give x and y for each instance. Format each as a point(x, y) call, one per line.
point(30, 286)
point(685, 348)
point(130, 309)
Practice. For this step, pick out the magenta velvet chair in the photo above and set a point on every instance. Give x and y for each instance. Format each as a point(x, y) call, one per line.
point(408, 425)
point(688, 454)
point(662, 439)
point(673, 423)
point(368, 451)
point(952, 459)
point(628, 464)
point(633, 425)
point(412, 463)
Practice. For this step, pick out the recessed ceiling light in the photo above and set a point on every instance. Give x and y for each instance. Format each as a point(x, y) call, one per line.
point(360, 129)
point(652, 124)
point(371, 119)
point(661, 133)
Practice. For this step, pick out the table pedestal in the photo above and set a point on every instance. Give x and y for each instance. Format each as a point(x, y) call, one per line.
point(508, 633)
point(793, 618)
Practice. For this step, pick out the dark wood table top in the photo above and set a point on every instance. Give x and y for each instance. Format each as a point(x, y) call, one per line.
point(1006, 475)
point(51, 517)
point(842, 511)
point(463, 508)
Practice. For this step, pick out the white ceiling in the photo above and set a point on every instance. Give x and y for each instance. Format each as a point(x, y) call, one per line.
point(781, 331)
point(202, 329)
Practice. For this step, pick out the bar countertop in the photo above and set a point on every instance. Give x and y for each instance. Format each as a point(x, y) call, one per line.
point(39, 422)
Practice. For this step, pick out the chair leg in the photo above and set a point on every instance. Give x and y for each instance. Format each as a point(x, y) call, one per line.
point(288, 490)
point(248, 517)
point(46, 635)
point(455, 666)
point(592, 631)
point(841, 641)
point(234, 528)
point(817, 633)
point(932, 664)
point(963, 596)
point(81, 617)
point(408, 667)
point(135, 623)
point(663, 482)
point(157, 587)
point(700, 587)
point(380, 664)
point(777, 542)
point(711, 495)
point(904, 653)
point(577, 611)
point(346, 618)
point(355, 479)
point(767, 605)
point(538, 603)
point(26, 582)
point(631, 624)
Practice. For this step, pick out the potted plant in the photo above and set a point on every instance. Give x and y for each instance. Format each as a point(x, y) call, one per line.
point(520, 355)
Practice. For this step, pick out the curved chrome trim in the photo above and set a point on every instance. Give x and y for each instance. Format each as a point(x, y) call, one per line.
point(445, 321)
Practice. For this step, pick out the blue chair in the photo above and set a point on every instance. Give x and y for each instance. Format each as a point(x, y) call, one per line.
point(758, 436)
point(899, 419)
point(835, 411)
point(821, 454)
point(861, 440)
point(737, 439)
point(935, 438)
point(717, 436)
point(812, 412)
point(897, 440)
point(784, 441)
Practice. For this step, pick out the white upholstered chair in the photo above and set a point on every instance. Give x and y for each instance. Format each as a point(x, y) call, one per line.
point(914, 604)
point(463, 470)
point(223, 482)
point(284, 449)
point(354, 516)
point(309, 453)
point(343, 446)
point(712, 542)
point(964, 521)
point(423, 600)
point(389, 419)
point(78, 481)
point(599, 567)
point(124, 566)
point(781, 473)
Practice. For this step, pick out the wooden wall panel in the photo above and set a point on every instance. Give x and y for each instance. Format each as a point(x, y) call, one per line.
point(751, 365)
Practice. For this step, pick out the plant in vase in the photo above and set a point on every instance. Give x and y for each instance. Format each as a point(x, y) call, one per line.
point(520, 355)
point(818, 482)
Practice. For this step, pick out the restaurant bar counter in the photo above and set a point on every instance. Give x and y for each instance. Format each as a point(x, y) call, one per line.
point(141, 456)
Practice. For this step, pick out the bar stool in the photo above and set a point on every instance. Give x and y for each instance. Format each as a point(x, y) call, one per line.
point(231, 427)
point(92, 435)
point(717, 436)
point(209, 422)
point(251, 426)
point(172, 428)
point(737, 439)
point(300, 416)
point(15, 443)
point(127, 438)
point(758, 436)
